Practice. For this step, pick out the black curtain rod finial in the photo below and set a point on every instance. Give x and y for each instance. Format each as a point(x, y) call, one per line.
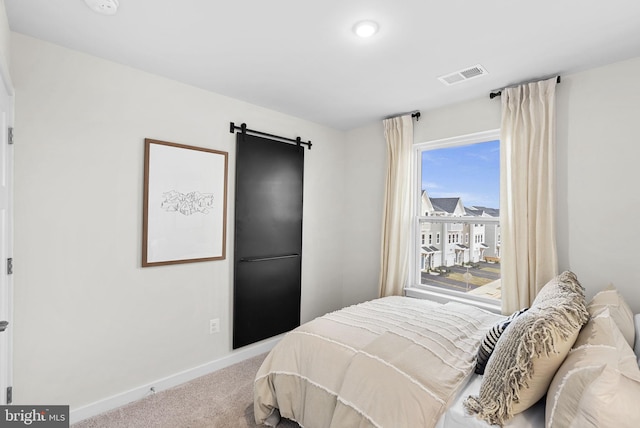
point(414, 114)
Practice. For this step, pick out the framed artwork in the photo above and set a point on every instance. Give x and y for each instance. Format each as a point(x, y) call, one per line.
point(185, 204)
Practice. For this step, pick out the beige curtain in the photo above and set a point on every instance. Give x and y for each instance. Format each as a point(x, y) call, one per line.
point(398, 206)
point(527, 217)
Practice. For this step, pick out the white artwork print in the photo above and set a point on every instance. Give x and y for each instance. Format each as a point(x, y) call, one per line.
point(186, 203)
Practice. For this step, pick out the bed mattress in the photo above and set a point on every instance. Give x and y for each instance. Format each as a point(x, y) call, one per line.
point(391, 362)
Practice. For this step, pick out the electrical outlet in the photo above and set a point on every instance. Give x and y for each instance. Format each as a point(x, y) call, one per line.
point(214, 326)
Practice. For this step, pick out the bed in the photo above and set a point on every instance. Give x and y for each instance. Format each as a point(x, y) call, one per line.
point(406, 362)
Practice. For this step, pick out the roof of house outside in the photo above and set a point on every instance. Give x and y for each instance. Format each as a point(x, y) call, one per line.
point(445, 204)
point(450, 205)
point(493, 212)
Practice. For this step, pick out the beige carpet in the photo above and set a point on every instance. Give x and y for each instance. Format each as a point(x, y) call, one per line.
point(223, 399)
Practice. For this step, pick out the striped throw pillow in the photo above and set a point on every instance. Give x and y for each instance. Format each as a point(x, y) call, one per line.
point(490, 339)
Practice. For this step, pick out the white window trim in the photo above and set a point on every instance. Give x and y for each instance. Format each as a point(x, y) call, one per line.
point(443, 296)
point(415, 289)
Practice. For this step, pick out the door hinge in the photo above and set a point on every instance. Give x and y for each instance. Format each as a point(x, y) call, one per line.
point(9, 394)
point(10, 135)
point(10, 266)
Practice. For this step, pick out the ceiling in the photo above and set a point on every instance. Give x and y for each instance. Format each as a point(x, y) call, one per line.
point(300, 57)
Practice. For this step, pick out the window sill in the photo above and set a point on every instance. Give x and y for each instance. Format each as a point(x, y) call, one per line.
point(420, 293)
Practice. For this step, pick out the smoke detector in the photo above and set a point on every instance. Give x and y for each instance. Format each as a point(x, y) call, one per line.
point(104, 7)
point(463, 75)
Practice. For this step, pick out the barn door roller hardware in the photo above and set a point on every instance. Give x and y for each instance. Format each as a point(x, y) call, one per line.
point(243, 128)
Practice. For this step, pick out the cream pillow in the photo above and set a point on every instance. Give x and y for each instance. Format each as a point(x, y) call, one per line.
point(603, 330)
point(530, 351)
point(610, 401)
point(598, 383)
point(611, 299)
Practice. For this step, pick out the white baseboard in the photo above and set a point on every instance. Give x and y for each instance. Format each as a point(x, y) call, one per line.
point(126, 397)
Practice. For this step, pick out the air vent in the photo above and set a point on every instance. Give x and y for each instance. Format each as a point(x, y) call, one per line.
point(463, 75)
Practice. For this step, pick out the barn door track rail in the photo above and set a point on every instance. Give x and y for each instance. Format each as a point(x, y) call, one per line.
point(243, 128)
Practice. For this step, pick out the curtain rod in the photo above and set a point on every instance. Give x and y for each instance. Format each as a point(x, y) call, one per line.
point(414, 113)
point(492, 95)
point(243, 128)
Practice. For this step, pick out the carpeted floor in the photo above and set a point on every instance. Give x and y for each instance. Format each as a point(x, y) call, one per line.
point(223, 399)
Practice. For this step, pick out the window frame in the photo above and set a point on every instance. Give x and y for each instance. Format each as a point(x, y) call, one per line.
point(415, 287)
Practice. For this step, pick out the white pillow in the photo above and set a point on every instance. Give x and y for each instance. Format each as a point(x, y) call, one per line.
point(610, 298)
point(598, 383)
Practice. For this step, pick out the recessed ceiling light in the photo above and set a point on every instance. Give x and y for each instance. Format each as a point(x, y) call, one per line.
point(365, 28)
point(105, 7)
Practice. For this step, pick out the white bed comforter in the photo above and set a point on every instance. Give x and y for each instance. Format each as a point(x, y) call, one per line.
point(391, 362)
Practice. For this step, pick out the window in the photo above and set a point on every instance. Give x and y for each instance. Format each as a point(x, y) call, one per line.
point(459, 182)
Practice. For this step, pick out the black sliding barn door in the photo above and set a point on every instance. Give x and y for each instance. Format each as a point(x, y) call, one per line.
point(268, 238)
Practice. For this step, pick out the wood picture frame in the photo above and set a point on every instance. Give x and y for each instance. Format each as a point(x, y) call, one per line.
point(185, 204)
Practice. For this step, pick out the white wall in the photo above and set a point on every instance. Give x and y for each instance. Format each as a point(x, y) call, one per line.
point(458, 119)
point(365, 157)
point(598, 153)
point(89, 321)
point(5, 33)
point(5, 48)
point(598, 173)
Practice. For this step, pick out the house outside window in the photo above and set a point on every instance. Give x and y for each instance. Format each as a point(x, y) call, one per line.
point(459, 182)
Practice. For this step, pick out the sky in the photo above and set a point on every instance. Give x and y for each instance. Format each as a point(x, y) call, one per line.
point(470, 172)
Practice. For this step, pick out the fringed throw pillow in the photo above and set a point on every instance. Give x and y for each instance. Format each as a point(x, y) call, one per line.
point(490, 339)
point(530, 351)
